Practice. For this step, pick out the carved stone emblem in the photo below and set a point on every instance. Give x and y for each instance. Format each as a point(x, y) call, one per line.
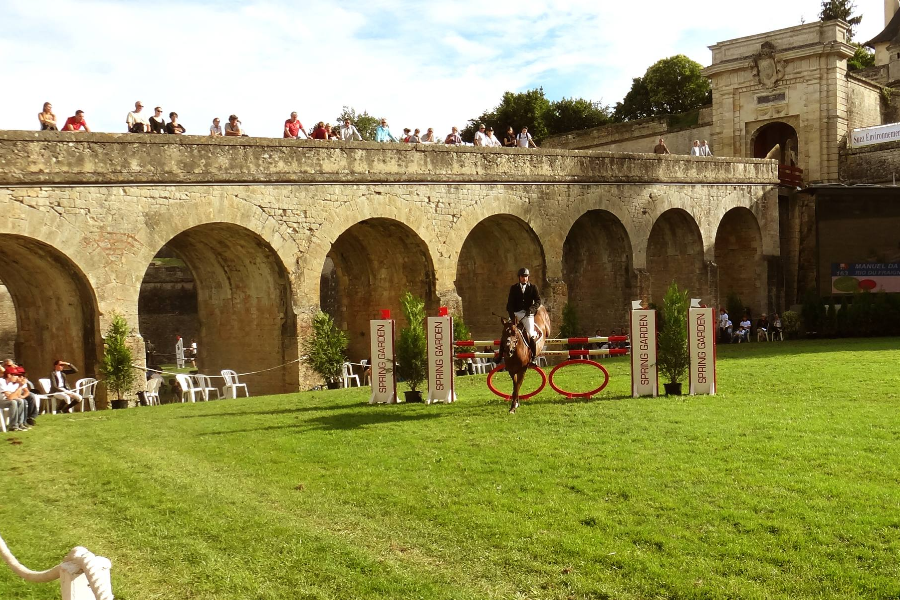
point(766, 67)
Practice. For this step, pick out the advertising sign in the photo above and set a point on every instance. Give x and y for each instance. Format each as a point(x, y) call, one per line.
point(702, 346)
point(384, 381)
point(879, 134)
point(644, 378)
point(847, 278)
point(440, 359)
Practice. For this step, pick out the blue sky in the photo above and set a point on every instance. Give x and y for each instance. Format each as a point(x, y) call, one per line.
point(420, 64)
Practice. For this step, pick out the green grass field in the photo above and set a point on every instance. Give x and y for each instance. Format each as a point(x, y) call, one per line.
point(785, 485)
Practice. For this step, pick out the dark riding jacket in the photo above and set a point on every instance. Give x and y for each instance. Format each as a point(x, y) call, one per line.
point(529, 301)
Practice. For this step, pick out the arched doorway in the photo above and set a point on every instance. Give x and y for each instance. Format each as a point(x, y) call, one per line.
point(227, 284)
point(493, 252)
point(766, 138)
point(369, 267)
point(739, 257)
point(55, 307)
point(675, 253)
point(597, 269)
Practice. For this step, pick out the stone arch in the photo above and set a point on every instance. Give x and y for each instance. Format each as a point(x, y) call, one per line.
point(675, 253)
point(56, 310)
point(243, 304)
point(740, 262)
point(369, 267)
point(777, 133)
point(598, 271)
point(488, 260)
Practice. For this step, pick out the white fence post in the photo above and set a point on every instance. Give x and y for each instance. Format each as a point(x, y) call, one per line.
point(82, 575)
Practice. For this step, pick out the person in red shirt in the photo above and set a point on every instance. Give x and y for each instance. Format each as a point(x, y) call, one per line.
point(319, 132)
point(293, 127)
point(77, 122)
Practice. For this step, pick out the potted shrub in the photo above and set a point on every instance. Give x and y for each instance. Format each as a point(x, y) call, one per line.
point(460, 332)
point(673, 358)
point(326, 349)
point(412, 351)
point(790, 323)
point(116, 368)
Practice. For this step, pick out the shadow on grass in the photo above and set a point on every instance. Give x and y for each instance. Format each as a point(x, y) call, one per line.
point(756, 350)
point(280, 411)
point(357, 420)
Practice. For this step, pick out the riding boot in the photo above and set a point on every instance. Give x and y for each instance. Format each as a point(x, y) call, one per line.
point(532, 345)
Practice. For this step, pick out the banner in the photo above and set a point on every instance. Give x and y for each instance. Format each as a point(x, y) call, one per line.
point(440, 359)
point(644, 378)
point(847, 278)
point(384, 381)
point(702, 346)
point(879, 134)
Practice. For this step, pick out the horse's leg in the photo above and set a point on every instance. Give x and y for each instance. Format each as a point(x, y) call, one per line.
point(517, 385)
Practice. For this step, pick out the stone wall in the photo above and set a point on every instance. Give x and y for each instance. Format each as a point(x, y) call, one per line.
point(865, 107)
point(878, 163)
point(7, 324)
point(453, 225)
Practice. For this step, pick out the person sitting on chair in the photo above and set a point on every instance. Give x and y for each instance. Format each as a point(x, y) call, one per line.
point(522, 304)
point(762, 328)
point(59, 385)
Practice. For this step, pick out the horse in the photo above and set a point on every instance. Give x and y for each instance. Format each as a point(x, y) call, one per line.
point(515, 352)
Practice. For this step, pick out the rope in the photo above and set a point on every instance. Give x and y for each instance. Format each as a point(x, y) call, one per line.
point(94, 567)
point(296, 360)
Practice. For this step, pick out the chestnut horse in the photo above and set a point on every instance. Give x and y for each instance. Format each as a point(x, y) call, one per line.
point(515, 352)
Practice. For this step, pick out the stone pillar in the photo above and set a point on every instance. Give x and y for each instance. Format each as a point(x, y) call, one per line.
point(642, 285)
point(712, 284)
point(449, 298)
point(554, 298)
point(774, 285)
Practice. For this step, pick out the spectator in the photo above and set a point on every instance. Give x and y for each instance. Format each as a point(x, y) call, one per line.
point(405, 137)
point(349, 132)
point(174, 127)
point(524, 139)
point(215, 130)
point(776, 327)
point(704, 149)
point(661, 148)
point(11, 398)
point(47, 118)
point(136, 122)
point(480, 135)
point(59, 385)
point(695, 149)
point(31, 403)
point(319, 132)
point(233, 127)
point(77, 122)
point(743, 333)
point(762, 328)
point(330, 133)
point(509, 140)
point(490, 140)
point(193, 352)
point(724, 323)
point(157, 122)
point(415, 138)
point(383, 132)
point(598, 333)
point(453, 138)
point(428, 138)
point(293, 127)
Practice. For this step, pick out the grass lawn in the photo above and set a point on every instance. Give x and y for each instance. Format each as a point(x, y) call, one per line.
point(785, 485)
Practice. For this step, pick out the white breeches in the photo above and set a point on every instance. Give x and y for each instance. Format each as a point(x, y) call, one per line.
point(527, 322)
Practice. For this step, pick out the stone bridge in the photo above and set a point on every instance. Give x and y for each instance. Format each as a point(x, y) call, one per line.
point(271, 230)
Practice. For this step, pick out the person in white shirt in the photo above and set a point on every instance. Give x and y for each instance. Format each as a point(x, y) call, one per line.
point(215, 130)
point(349, 132)
point(480, 135)
point(744, 331)
point(724, 326)
point(524, 140)
point(136, 122)
point(12, 397)
point(704, 149)
point(490, 140)
point(695, 148)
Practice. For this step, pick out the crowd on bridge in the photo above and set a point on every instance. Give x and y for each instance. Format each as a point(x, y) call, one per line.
point(18, 395)
point(136, 121)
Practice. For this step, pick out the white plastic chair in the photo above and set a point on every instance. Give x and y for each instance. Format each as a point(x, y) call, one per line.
point(53, 398)
point(541, 361)
point(4, 419)
point(232, 384)
point(187, 387)
point(347, 375)
point(364, 365)
point(202, 383)
point(87, 388)
point(151, 393)
point(479, 365)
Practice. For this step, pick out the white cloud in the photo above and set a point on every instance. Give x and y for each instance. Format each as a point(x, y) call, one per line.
point(421, 65)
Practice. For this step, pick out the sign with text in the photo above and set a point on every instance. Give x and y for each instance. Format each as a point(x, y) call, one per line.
point(879, 134)
point(702, 346)
point(847, 278)
point(384, 381)
point(644, 378)
point(440, 360)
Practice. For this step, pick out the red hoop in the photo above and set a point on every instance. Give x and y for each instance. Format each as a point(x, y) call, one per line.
point(579, 361)
point(502, 367)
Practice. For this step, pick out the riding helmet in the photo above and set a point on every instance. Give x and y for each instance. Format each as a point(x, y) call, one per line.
point(523, 271)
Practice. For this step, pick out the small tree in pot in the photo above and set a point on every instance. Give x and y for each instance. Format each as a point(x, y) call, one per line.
point(460, 332)
point(326, 349)
point(412, 350)
point(673, 358)
point(117, 371)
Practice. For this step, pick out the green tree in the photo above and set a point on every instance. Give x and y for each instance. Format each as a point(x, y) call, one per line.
point(117, 371)
point(843, 10)
point(673, 358)
point(412, 349)
point(516, 110)
point(670, 86)
point(326, 348)
point(574, 114)
point(862, 58)
point(570, 327)
point(365, 123)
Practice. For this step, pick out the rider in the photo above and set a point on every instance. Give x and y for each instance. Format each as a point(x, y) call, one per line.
point(524, 301)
